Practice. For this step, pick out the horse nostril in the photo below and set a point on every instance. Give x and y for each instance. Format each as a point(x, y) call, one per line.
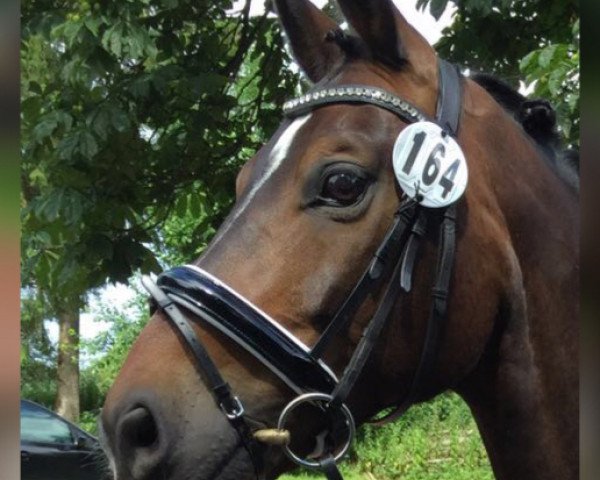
point(139, 429)
point(140, 446)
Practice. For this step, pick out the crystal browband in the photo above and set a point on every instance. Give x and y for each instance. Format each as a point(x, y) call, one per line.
point(353, 94)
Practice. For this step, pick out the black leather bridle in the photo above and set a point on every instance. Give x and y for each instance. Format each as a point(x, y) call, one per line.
point(191, 289)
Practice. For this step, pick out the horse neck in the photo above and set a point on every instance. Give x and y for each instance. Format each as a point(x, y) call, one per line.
point(524, 391)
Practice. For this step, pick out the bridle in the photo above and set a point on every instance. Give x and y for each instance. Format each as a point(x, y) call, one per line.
point(299, 367)
point(192, 289)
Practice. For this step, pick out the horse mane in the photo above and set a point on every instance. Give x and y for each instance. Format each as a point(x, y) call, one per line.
point(538, 119)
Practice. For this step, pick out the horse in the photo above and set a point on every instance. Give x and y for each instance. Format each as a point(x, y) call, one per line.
point(319, 211)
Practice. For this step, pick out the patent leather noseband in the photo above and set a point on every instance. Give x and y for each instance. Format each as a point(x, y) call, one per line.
point(224, 309)
point(192, 290)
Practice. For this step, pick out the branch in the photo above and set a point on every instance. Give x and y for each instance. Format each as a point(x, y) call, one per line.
point(231, 69)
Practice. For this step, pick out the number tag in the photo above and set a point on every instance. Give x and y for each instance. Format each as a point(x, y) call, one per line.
point(429, 164)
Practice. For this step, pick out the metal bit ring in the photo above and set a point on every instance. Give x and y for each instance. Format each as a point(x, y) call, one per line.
point(316, 398)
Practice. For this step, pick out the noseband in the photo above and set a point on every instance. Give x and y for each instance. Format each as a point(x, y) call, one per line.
point(191, 289)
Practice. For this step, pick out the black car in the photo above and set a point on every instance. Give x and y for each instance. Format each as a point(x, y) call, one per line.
point(55, 449)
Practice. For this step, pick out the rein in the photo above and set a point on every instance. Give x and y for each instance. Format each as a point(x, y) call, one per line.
point(192, 289)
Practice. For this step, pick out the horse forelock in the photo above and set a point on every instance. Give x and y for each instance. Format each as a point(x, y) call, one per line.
point(351, 45)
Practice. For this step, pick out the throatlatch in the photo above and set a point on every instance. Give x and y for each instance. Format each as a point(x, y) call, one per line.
point(392, 265)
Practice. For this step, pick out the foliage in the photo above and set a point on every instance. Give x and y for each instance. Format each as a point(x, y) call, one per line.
point(40, 385)
point(111, 347)
point(186, 234)
point(526, 40)
point(35, 342)
point(38, 355)
point(128, 113)
point(554, 70)
point(108, 351)
point(493, 35)
point(437, 440)
point(88, 421)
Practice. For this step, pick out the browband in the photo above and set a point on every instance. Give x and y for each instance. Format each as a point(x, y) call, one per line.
point(448, 106)
point(353, 94)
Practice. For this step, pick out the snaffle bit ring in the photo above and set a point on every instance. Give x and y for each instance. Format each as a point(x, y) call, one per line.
point(316, 398)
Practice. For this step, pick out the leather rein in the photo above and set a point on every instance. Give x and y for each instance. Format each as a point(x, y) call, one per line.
point(191, 289)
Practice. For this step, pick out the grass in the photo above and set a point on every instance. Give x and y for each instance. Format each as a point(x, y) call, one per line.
point(437, 440)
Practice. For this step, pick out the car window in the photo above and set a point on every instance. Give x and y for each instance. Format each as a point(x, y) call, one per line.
point(38, 425)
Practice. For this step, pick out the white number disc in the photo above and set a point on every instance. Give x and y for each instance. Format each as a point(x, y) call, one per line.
point(430, 165)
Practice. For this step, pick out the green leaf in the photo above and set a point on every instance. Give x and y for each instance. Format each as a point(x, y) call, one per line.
point(140, 87)
point(181, 205)
point(483, 7)
point(100, 246)
point(547, 55)
point(34, 87)
point(50, 208)
point(209, 83)
point(71, 31)
point(195, 205)
point(136, 42)
point(112, 40)
point(555, 81)
point(119, 119)
point(44, 238)
point(38, 177)
point(73, 208)
point(421, 4)
point(99, 121)
point(43, 270)
point(528, 61)
point(93, 24)
point(67, 147)
point(150, 263)
point(65, 119)
point(572, 101)
point(45, 127)
point(437, 8)
point(30, 108)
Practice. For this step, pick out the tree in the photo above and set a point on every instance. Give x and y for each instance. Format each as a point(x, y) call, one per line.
point(38, 355)
point(536, 41)
point(554, 70)
point(130, 110)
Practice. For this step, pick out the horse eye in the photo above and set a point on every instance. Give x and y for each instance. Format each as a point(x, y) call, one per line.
point(343, 188)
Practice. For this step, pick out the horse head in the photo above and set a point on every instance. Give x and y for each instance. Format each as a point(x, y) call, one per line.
point(312, 207)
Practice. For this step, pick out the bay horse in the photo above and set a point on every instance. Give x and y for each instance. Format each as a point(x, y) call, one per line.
point(320, 210)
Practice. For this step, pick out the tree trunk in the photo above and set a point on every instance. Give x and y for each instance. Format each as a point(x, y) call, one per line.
point(67, 397)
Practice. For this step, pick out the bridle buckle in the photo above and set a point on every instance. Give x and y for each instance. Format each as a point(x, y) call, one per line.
point(234, 411)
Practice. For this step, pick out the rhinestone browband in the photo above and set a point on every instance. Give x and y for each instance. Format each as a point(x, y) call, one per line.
point(353, 94)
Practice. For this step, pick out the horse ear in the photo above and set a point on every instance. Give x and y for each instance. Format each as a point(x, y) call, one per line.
point(306, 28)
point(390, 38)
